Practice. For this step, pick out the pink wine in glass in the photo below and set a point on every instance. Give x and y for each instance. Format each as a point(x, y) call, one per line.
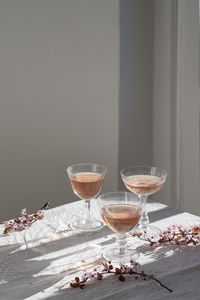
point(143, 184)
point(86, 185)
point(121, 218)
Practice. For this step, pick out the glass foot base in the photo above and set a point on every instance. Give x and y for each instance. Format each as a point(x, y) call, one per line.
point(148, 232)
point(112, 255)
point(86, 225)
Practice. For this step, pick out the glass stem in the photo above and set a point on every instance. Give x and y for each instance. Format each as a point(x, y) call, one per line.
point(121, 243)
point(87, 209)
point(144, 221)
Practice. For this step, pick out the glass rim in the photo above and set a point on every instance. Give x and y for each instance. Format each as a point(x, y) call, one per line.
point(87, 164)
point(118, 192)
point(144, 167)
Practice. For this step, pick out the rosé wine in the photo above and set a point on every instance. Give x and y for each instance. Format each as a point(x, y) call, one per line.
point(121, 218)
point(143, 184)
point(86, 185)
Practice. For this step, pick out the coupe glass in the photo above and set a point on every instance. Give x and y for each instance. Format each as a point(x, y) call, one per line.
point(121, 211)
point(144, 181)
point(86, 180)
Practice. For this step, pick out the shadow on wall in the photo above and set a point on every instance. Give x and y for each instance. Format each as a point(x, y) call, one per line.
point(136, 84)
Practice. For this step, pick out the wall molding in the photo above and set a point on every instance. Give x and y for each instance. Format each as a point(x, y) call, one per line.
point(199, 40)
point(177, 39)
point(175, 97)
point(175, 81)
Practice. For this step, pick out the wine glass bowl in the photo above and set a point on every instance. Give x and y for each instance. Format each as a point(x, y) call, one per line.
point(86, 181)
point(144, 181)
point(121, 211)
point(86, 185)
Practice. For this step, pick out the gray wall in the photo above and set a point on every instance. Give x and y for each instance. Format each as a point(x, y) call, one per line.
point(176, 101)
point(75, 86)
point(59, 96)
point(162, 93)
point(136, 83)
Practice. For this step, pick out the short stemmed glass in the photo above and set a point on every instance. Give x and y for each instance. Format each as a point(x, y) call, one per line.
point(121, 211)
point(144, 181)
point(86, 180)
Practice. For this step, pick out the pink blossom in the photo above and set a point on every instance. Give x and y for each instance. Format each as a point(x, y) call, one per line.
point(84, 276)
point(7, 224)
point(90, 275)
point(40, 213)
point(24, 212)
point(15, 226)
point(21, 226)
point(26, 220)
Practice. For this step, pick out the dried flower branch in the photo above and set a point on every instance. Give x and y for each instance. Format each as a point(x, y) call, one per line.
point(78, 283)
point(25, 221)
point(175, 235)
point(134, 270)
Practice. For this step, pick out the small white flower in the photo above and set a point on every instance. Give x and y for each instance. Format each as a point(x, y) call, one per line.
point(24, 212)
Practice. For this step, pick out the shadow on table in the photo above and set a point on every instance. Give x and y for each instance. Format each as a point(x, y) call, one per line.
point(70, 241)
point(166, 250)
point(43, 257)
point(162, 262)
point(19, 265)
point(163, 213)
point(170, 269)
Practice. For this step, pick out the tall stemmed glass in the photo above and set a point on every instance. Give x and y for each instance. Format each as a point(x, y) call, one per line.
point(144, 181)
point(86, 180)
point(121, 211)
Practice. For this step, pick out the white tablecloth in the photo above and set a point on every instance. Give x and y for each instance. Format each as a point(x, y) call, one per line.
point(39, 262)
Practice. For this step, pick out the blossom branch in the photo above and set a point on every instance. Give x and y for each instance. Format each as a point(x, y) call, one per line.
point(25, 220)
point(118, 271)
point(174, 235)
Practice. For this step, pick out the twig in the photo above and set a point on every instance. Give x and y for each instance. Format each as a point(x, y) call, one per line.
point(120, 272)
